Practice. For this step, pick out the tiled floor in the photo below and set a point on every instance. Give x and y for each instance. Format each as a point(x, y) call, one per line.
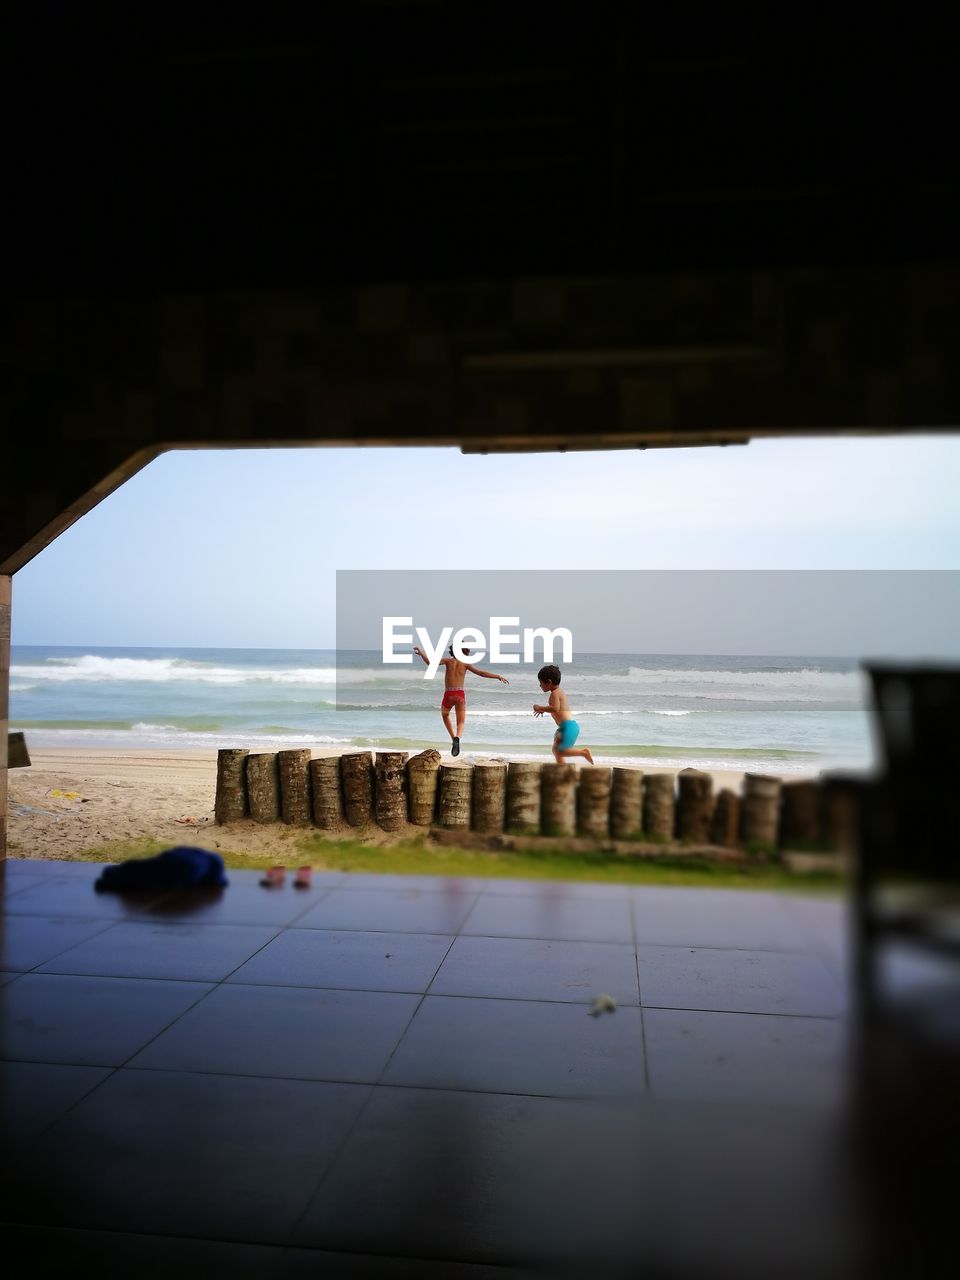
point(390, 1076)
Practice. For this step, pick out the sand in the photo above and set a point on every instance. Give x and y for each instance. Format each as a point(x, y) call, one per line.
point(69, 802)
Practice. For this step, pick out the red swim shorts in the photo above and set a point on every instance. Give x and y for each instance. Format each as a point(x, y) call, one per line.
point(452, 697)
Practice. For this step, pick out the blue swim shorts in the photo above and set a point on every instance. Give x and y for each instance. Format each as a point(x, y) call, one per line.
point(567, 733)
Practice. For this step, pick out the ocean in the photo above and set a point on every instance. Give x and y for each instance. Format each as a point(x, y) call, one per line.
point(795, 715)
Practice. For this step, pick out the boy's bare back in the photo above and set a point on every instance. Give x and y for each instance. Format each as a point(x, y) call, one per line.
point(559, 706)
point(453, 672)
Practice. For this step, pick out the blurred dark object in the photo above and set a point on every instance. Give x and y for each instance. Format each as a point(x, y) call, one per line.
point(908, 857)
point(179, 868)
point(906, 955)
point(18, 757)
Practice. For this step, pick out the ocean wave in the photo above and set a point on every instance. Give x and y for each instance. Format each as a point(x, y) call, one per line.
point(93, 669)
point(497, 714)
point(144, 736)
point(799, 678)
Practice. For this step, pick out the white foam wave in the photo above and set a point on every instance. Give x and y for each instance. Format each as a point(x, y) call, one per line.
point(498, 714)
point(801, 678)
point(92, 668)
point(146, 735)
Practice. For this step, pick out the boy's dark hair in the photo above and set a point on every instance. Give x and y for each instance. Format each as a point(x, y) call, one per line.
point(551, 673)
point(466, 652)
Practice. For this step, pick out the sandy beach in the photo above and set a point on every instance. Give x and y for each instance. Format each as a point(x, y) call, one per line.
point(70, 801)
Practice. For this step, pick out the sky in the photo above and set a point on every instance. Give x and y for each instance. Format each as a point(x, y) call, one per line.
point(240, 548)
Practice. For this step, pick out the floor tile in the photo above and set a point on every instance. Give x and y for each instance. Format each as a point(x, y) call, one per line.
point(294, 1032)
point(35, 1094)
point(189, 952)
point(701, 1162)
point(520, 1181)
point(825, 924)
point(341, 959)
point(116, 1255)
point(54, 868)
point(452, 886)
point(76, 896)
point(751, 921)
point(241, 904)
point(520, 1046)
point(390, 910)
point(745, 1057)
point(738, 981)
point(88, 1021)
point(11, 885)
point(531, 969)
point(240, 879)
point(26, 941)
point(557, 917)
point(224, 1157)
point(511, 887)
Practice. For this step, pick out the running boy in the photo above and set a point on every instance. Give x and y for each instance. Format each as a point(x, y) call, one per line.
point(454, 696)
point(557, 705)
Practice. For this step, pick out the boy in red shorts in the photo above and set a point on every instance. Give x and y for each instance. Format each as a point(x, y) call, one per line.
point(454, 696)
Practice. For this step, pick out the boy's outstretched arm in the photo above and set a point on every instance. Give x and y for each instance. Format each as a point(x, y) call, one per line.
point(426, 661)
point(488, 675)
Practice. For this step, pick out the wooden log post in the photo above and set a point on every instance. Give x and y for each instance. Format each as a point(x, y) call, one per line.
point(423, 778)
point(230, 804)
point(558, 800)
point(523, 797)
point(626, 804)
point(456, 785)
point(294, 766)
point(800, 815)
point(326, 793)
point(839, 816)
point(489, 798)
point(356, 771)
point(263, 787)
point(659, 806)
point(695, 801)
point(593, 801)
point(760, 811)
point(391, 790)
point(725, 826)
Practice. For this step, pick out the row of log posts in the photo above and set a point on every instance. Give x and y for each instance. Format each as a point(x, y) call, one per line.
point(528, 798)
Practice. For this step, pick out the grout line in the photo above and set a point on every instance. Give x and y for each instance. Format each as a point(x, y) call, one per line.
point(753, 1013)
point(643, 1029)
point(361, 1111)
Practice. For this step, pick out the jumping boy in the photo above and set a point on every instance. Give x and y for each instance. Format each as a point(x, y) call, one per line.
point(557, 705)
point(454, 695)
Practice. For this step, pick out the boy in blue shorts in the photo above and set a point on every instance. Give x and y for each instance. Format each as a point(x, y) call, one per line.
point(557, 705)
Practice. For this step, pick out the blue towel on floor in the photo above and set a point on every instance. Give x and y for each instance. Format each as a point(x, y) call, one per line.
point(179, 868)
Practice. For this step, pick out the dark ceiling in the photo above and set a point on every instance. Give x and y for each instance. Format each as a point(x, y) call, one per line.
point(215, 147)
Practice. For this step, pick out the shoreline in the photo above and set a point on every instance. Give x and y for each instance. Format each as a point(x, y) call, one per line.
point(119, 795)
